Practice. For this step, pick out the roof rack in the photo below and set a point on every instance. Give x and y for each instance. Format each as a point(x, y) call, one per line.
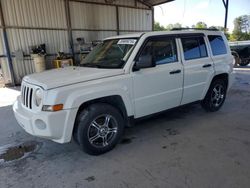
point(183, 28)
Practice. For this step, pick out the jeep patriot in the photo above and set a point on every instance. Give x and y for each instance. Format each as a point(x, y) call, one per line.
point(124, 78)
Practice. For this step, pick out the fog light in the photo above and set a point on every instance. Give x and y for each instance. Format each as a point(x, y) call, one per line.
point(40, 124)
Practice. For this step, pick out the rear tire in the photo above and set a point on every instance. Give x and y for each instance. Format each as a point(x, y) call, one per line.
point(215, 96)
point(99, 128)
point(244, 62)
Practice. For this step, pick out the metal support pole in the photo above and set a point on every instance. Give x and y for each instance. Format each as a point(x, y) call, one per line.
point(153, 18)
point(225, 2)
point(69, 29)
point(7, 47)
point(117, 21)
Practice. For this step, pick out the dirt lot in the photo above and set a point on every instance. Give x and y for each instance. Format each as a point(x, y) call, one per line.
point(185, 148)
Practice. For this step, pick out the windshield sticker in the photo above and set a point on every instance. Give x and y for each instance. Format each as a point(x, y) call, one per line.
point(127, 41)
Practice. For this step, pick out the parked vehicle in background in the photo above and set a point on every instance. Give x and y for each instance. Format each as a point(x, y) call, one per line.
point(241, 52)
point(124, 78)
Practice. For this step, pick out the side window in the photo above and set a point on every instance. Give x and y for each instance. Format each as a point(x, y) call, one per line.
point(162, 50)
point(217, 44)
point(203, 49)
point(194, 47)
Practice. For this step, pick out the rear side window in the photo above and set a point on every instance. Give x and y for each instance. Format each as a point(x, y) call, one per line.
point(217, 44)
point(163, 50)
point(194, 47)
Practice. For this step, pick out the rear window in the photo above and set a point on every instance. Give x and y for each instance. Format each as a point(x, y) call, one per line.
point(194, 47)
point(217, 44)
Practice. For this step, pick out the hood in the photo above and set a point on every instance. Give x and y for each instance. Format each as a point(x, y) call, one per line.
point(70, 75)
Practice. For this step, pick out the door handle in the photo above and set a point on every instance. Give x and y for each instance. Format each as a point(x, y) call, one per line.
point(206, 65)
point(175, 71)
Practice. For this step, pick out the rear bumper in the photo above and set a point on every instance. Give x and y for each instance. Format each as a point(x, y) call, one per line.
point(56, 126)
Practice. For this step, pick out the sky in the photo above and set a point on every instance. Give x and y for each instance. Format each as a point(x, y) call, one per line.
point(189, 12)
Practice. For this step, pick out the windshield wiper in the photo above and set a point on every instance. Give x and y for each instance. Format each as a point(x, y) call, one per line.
point(105, 64)
point(89, 65)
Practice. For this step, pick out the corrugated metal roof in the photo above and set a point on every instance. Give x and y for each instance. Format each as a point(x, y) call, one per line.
point(131, 3)
point(139, 3)
point(154, 2)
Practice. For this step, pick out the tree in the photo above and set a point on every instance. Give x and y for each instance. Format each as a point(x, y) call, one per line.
point(220, 28)
point(241, 28)
point(172, 26)
point(200, 25)
point(158, 27)
point(245, 23)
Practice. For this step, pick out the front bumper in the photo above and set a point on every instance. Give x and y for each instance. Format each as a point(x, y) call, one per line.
point(56, 126)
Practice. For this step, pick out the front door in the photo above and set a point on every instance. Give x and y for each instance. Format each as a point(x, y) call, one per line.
point(158, 88)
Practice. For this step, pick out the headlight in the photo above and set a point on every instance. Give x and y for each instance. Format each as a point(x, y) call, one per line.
point(38, 96)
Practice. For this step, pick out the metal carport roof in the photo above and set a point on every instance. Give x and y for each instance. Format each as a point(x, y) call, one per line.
point(154, 2)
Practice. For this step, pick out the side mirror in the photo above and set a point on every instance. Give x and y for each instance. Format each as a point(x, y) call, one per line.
point(145, 61)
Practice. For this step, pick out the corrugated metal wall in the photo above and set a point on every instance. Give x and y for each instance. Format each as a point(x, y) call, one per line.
point(135, 19)
point(33, 22)
point(34, 13)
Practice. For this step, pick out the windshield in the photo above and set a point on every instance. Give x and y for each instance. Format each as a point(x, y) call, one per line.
point(110, 54)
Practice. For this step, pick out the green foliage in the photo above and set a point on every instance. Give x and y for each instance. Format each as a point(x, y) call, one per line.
point(158, 27)
point(171, 26)
point(201, 25)
point(241, 28)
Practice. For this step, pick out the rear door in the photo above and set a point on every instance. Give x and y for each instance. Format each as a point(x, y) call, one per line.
point(158, 88)
point(198, 67)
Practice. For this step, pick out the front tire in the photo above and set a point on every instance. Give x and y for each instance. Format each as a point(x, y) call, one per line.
point(99, 128)
point(215, 96)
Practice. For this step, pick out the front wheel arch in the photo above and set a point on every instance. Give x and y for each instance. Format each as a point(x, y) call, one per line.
point(90, 114)
point(114, 100)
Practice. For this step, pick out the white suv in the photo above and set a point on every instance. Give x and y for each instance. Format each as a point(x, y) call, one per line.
point(124, 78)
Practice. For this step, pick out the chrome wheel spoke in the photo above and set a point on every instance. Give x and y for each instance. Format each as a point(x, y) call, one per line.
point(93, 138)
point(96, 125)
point(112, 130)
point(105, 141)
point(217, 95)
point(107, 120)
point(215, 91)
point(102, 130)
point(219, 90)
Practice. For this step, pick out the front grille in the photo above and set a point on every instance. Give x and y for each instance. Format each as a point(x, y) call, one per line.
point(27, 93)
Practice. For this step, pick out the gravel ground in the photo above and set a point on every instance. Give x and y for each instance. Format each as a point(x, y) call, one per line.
point(185, 147)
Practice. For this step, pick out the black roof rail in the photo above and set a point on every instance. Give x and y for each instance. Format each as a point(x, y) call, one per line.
point(191, 28)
